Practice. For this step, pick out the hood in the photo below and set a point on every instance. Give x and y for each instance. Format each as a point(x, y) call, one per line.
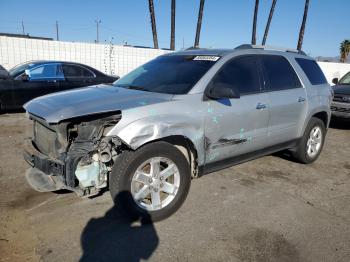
point(342, 89)
point(90, 100)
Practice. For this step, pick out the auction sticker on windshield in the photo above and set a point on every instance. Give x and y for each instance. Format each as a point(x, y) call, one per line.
point(206, 58)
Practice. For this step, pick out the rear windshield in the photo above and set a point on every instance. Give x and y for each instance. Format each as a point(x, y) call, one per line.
point(175, 74)
point(312, 71)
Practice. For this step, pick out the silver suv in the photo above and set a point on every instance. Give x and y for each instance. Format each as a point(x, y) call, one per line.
point(177, 117)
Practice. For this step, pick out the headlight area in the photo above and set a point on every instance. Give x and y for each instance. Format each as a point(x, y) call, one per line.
point(90, 155)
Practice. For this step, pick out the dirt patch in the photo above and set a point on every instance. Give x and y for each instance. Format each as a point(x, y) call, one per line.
point(274, 174)
point(261, 245)
point(11, 130)
point(246, 182)
point(28, 198)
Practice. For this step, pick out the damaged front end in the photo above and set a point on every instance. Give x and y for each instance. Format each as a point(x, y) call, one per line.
point(74, 154)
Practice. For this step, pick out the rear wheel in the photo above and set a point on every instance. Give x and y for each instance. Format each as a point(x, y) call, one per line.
point(311, 144)
point(152, 182)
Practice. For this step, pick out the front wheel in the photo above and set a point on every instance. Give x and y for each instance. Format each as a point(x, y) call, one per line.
point(151, 182)
point(311, 143)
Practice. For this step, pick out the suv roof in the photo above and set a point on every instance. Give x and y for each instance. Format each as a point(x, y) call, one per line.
point(223, 52)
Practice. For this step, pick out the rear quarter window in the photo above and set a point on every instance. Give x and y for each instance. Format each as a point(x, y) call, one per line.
point(279, 73)
point(312, 71)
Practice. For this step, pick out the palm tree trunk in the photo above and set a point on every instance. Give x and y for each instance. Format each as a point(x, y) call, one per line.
point(302, 28)
point(254, 22)
point(199, 24)
point(269, 21)
point(153, 23)
point(172, 34)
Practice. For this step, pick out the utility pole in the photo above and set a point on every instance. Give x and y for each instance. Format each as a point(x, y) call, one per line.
point(98, 22)
point(57, 36)
point(269, 21)
point(153, 23)
point(199, 24)
point(254, 22)
point(302, 28)
point(172, 36)
point(23, 33)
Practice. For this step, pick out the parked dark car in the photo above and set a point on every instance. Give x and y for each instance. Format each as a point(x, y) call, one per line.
point(3, 72)
point(36, 78)
point(341, 101)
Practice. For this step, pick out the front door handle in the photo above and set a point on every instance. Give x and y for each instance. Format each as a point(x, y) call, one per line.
point(301, 99)
point(260, 106)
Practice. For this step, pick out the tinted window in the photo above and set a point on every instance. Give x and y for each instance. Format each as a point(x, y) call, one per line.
point(241, 73)
point(279, 73)
point(76, 71)
point(312, 71)
point(48, 71)
point(174, 74)
point(345, 80)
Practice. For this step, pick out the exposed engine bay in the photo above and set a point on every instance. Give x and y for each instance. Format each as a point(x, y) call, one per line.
point(75, 155)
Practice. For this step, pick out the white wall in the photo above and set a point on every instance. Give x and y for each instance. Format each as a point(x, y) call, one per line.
point(110, 59)
point(334, 70)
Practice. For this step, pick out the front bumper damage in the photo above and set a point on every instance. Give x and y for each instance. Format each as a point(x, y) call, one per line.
point(45, 174)
point(78, 159)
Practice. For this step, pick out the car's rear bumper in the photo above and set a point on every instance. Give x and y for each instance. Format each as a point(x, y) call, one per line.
point(340, 109)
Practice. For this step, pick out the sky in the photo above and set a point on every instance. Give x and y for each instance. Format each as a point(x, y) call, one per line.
point(226, 23)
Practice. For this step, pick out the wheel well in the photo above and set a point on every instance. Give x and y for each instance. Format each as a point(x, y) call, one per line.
point(323, 116)
point(186, 146)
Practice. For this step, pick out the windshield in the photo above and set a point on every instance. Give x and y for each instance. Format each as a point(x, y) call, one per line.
point(19, 69)
point(345, 80)
point(168, 74)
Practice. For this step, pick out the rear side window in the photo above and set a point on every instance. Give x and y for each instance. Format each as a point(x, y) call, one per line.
point(76, 71)
point(242, 73)
point(279, 74)
point(312, 71)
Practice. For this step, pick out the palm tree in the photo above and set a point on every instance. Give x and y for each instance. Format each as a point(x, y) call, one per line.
point(302, 28)
point(269, 21)
point(153, 23)
point(199, 23)
point(254, 22)
point(344, 50)
point(172, 34)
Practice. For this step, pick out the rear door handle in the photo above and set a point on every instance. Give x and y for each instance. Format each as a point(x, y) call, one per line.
point(260, 106)
point(301, 99)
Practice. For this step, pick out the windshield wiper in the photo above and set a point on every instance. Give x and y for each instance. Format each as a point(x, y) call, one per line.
point(133, 87)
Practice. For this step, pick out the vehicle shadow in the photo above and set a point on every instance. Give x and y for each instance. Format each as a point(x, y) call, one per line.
point(11, 111)
point(339, 123)
point(114, 237)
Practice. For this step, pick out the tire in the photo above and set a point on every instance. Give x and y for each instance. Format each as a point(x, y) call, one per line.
point(121, 183)
point(302, 154)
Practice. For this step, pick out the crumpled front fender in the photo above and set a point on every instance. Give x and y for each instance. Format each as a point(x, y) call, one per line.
point(157, 127)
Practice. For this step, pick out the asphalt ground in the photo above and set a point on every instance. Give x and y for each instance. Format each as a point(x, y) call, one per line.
point(269, 209)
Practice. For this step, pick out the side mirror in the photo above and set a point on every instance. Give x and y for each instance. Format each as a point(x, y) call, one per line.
point(222, 90)
point(26, 75)
point(335, 81)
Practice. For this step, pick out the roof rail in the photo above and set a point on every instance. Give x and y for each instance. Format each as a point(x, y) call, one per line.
point(264, 47)
point(192, 48)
